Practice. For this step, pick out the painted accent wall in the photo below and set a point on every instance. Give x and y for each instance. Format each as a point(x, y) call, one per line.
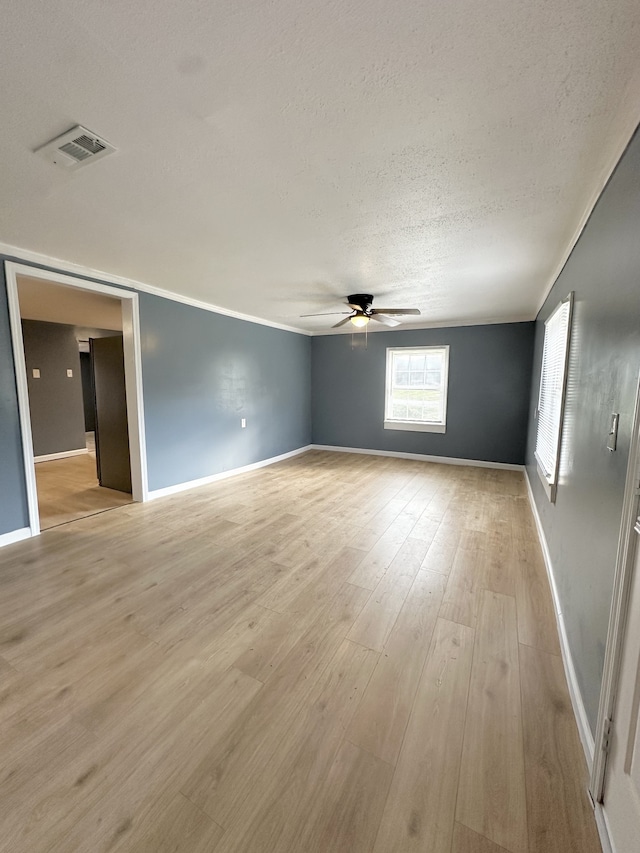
point(55, 399)
point(14, 514)
point(202, 372)
point(488, 399)
point(582, 527)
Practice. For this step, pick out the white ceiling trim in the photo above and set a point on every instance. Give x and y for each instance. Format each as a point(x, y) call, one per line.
point(274, 157)
point(605, 176)
point(68, 267)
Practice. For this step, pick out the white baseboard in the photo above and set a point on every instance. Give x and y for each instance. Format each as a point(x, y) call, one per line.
point(223, 475)
point(48, 457)
point(14, 536)
point(422, 457)
point(584, 729)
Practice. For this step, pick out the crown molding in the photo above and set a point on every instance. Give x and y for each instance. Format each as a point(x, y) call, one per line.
point(58, 265)
point(608, 170)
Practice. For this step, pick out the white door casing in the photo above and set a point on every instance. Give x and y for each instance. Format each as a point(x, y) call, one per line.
point(621, 801)
point(133, 376)
point(605, 782)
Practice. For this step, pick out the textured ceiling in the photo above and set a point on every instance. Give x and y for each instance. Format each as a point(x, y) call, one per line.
point(54, 303)
point(275, 156)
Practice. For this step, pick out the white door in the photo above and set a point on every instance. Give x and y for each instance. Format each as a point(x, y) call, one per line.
point(621, 802)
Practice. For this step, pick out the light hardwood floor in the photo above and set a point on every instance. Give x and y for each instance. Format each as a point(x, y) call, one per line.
point(335, 654)
point(68, 489)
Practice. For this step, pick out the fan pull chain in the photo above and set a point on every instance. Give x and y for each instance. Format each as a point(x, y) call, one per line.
point(354, 342)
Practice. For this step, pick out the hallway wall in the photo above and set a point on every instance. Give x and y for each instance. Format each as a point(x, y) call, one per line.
point(55, 399)
point(582, 527)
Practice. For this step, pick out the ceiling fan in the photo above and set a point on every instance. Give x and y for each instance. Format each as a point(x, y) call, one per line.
point(361, 312)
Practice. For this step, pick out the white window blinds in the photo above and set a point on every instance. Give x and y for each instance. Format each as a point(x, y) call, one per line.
point(552, 387)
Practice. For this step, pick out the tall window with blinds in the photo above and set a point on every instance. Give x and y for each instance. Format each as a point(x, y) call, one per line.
point(416, 388)
point(553, 382)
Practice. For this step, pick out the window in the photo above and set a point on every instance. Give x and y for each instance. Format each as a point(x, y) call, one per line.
point(416, 389)
point(552, 392)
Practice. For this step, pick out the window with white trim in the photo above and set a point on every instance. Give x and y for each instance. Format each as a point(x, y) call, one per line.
point(553, 380)
point(416, 388)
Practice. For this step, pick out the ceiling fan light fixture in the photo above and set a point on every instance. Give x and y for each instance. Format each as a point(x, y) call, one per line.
point(360, 320)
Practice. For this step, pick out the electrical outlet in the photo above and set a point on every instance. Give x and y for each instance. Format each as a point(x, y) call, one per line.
point(70, 373)
point(243, 423)
point(36, 373)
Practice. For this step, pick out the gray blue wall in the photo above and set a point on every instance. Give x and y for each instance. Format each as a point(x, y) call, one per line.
point(55, 399)
point(488, 400)
point(13, 491)
point(582, 527)
point(202, 372)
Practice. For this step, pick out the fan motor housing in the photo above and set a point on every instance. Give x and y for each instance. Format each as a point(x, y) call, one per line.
point(362, 300)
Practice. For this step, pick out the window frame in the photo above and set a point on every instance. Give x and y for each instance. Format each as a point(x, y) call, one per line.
point(549, 479)
point(414, 425)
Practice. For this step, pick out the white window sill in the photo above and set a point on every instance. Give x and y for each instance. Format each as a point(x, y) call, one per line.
point(550, 488)
point(415, 426)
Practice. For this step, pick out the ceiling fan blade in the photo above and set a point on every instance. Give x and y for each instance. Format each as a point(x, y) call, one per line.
point(326, 314)
point(395, 311)
point(341, 322)
point(387, 321)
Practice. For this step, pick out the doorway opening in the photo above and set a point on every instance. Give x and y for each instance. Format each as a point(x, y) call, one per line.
point(77, 357)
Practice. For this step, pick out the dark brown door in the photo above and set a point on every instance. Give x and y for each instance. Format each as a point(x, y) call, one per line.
point(112, 432)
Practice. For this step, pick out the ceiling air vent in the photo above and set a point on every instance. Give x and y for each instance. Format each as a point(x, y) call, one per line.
point(75, 148)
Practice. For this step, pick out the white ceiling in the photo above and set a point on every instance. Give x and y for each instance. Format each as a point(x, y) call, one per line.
point(275, 156)
point(55, 303)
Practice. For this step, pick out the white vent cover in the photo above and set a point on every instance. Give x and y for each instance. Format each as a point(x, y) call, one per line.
point(75, 148)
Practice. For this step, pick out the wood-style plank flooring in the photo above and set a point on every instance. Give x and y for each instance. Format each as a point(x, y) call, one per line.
point(68, 489)
point(336, 654)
